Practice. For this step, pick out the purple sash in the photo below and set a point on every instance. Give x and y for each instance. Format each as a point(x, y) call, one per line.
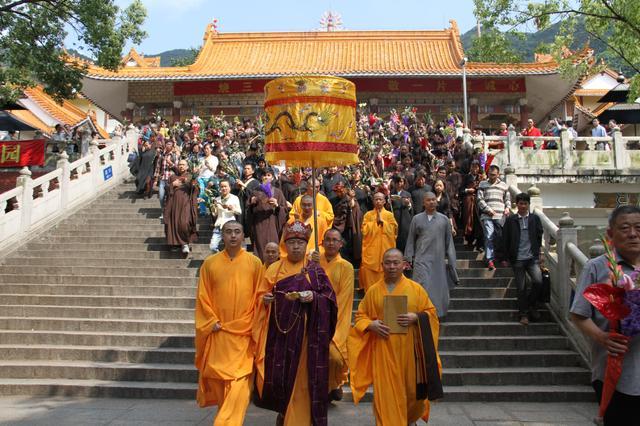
point(284, 342)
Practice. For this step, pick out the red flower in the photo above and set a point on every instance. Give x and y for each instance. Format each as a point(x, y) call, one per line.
point(608, 300)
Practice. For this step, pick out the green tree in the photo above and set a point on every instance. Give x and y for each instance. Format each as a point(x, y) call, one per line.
point(493, 46)
point(32, 34)
point(614, 23)
point(188, 59)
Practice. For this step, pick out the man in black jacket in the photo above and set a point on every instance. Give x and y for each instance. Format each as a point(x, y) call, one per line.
point(522, 237)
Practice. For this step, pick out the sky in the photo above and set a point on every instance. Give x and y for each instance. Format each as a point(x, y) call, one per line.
point(180, 24)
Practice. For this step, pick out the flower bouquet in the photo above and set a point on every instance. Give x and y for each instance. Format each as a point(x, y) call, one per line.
point(619, 302)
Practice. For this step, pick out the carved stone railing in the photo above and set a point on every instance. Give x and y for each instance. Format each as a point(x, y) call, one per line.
point(578, 156)
point(36, 203)
point(563, 258)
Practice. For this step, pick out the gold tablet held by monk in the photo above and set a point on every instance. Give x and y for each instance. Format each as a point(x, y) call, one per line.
point(394, 305)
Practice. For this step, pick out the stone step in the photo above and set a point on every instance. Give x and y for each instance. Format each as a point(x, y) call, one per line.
point(481, 303)
point(129, 272)
point(519, 393)
point(469, 255)
point(134, 354)
point(490, 315)
point(89, 261)
point(503, 343)
point(483, 292)
point(97, 279)
point(96, 312)
point(119, 239)
point(74, 300)
point(484, 273)
point(93, 370)
point(72, 251)
point(484, 282)
point(132, 229)
point(512, 376)
point(120, 291)
point(144, 341)
point(497, 329)
point(113, 247)
point(97, 325)
point(186, 373)
point(97, 388)
point(496, 359)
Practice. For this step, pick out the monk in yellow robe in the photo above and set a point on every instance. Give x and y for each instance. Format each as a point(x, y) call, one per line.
point(271, 254)
point(341, 275)
point(224, 315)
point(306, 217)
point(325, 209)
point(379, 232)
point(294, 325)
point(402, 382)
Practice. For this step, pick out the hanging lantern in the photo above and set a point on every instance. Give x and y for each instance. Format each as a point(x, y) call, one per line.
point(311, 121)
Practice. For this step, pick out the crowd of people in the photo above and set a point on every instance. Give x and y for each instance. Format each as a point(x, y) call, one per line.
point(276, 323)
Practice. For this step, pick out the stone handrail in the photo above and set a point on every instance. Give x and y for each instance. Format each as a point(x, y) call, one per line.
point(37, 203)
point(562, 257)
point(573, 156)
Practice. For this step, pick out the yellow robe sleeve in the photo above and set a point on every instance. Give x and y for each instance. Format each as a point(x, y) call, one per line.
point(359, 347)
point(205, 317)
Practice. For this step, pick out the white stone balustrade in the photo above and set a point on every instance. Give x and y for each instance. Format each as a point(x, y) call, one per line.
point(36, 203)
point(577, 156)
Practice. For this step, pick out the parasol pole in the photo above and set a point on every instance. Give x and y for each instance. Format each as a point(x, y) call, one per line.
point(315, 207)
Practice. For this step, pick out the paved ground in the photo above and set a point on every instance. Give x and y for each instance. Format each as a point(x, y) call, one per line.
point(76, 411)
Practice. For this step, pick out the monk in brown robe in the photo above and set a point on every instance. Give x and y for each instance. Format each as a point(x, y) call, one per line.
point(266, 214)
point(180, 214)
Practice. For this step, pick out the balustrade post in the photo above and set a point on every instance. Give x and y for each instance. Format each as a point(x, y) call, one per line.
point(510, 177)
point(597, 249)
point(65, 179)
point(567, 233)
point(536, 198)
point(619, 149)
point(96, 167)
point(513, 145)
point(566, 157)
point(26, 199)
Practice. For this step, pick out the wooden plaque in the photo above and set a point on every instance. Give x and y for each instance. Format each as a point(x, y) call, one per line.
point(394, 305)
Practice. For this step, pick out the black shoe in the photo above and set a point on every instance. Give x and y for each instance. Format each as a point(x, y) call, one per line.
point(336, 395)
point(280, 420)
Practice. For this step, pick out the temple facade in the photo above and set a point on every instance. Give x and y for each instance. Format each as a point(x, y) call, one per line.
point(391, 69)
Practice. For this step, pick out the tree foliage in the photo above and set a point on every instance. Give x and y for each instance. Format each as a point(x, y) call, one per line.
point(188, 59)
point(32, 34)
point(614, 23)
point(493, 46)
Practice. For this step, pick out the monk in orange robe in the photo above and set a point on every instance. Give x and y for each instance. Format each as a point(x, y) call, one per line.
point(306, 217)
point(294, 326)
point(271, 254)
point(341, 275)
point(224, 315)
point(379, 232)
point(402, 382)
point(325, 209)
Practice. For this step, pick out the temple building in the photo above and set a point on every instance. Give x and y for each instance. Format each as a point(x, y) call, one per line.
point(391, 69)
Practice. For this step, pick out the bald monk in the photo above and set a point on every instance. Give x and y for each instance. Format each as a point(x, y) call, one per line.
point(306, 217)
point(271, 254)
point(402, 385)
point(379, 232)
point(224, 315)
point(325, 209)
point(293, 330)
point(340, 274)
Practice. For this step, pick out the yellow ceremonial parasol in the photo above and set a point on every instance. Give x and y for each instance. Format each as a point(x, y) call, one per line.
point(311, 122)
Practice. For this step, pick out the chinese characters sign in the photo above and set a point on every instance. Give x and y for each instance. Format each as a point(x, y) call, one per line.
point(22, 153)
point(416, 85)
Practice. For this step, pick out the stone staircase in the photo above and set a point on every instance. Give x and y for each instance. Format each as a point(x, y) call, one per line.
point(99, 307)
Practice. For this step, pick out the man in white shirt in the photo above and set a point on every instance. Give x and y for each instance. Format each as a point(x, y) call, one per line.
point(227, 206)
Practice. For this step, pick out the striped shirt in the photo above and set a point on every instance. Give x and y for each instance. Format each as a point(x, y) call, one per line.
point(493, 196)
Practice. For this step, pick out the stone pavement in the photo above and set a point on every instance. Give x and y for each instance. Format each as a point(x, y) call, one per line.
point(83, 411)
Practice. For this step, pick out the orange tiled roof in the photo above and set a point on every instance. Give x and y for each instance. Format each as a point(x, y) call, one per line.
point(67, 113)
point(342, 53)
point(29, 118)
point(141, 60)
